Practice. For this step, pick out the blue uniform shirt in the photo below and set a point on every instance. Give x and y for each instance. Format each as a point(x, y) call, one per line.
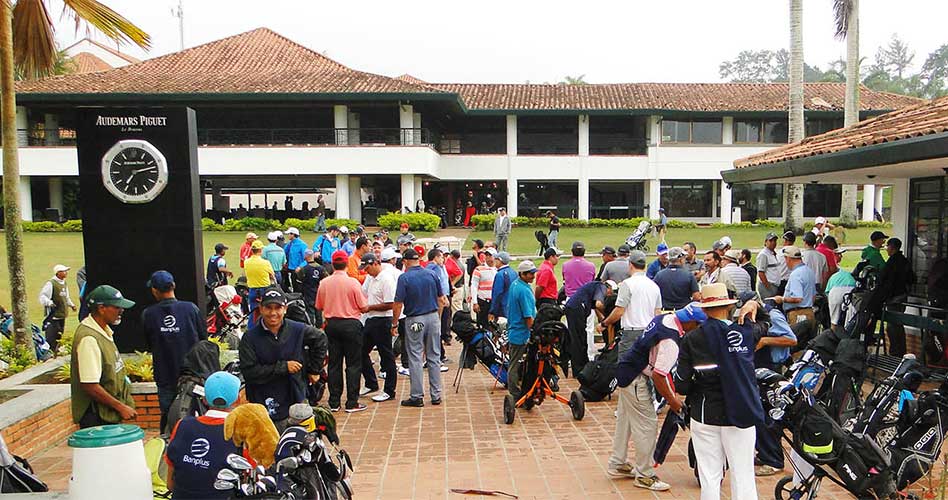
point(802, 284)
point(324, 246)
point(587, 296)
point(198, 451)
point(418, 289)
point(442, 277)
point(654, 268)
point(779, 327)
point(294, 254)
point(349, 246)
point(503, 280)
point(275, 255)
point(520, 305)
point(170, 339)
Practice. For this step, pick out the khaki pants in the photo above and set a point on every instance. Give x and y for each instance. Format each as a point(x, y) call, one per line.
point(636, 419)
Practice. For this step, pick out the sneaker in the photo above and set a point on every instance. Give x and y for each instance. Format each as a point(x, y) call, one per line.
point(357, 408)
point(334, 409)
point(621, 470)
point(436, 402)
point(382, 375)
point(380, 397)
point(766, 470)
point(444, 368)
point(367, 390)
point(414, 403)
point(403, 371)
point(651, 483)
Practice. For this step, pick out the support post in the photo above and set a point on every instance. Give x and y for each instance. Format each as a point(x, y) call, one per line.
point(26, 198)
point(56, 193)
point(406, 121)
point(355, 198)
point(340, 122)
point(868, 201)
point(725, 203)
point(342, 196)
point(51, 129)
point(654, 187)
point(408, 192)
point(22, 127)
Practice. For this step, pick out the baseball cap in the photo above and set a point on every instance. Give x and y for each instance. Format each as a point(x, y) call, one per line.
point(637, 257)
point(343, 229)
point(220, 246)
point(388, 253)
point(792, 252)
point(367, 260)
point(221, 389)
point(300, 412)
point(726, 240)
point(405, 239)
point(293, 231)
point(273, 295)
point(624, 249)
point(504, 257)
point(549, 252)
point(820, 220)
point(58, 268)
point(278, 233)
point(258, 245)
point(340, 256)
point(491, 251)
point(809, 238)
point(272, 236)
point(732, 254)
point(789, 236)
point(161, 281)
point(770, 236)
point(660, 209)
point(691, 312)
point(676, 253)
point(526, 266)
point(578, 245)
point(662, 249)
point(410, 254)
point(332, 228)
point(607, 250)
point(109, 296)
point(877, 235)
point(308, 253)
point(251, 235)
point(611, 284)
point(718, 245)
point(404, 225)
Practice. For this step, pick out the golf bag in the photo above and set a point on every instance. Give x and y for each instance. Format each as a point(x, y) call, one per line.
point(597, 381)
point(227, 314)
point(543, 240)
point(881, 413)
point(921, 434)
point(43, 351)
point(480, 347)
point(839, 392)
point(296, 309)
point(638, 240)
point(199, 363)
point(16, 475)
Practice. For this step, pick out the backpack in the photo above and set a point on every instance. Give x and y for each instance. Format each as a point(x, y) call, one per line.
point(598, 378)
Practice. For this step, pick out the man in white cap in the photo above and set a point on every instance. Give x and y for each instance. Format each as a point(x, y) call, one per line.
point(295, 250)
point(733, 275)
point(55, 298)
point(821, 228)
point(276, 256)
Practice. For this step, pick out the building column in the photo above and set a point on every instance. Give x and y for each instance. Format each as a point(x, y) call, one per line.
point(22, 126)
point(408, 192)
point(26, 199)
point(654, 130)
point(355, 198)
point(342, 196)
point(880, 191)
point(406, 121)
point(583, 135)
point(900, 210)
point(653, 191)
point(340, 121)
point(51, 129)
point(582, 201)
point(512, 135)
point(727, 130)
point(868, 201)
point(726, 203)
point(56, 193)
point(511, 196)
point(418, 192)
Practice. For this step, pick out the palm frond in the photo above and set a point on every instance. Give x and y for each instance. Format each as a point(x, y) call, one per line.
point(34, 46)
point(842, 9)
point(102, 18)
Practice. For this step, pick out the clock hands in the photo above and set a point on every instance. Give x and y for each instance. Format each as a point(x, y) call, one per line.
point(146, 169)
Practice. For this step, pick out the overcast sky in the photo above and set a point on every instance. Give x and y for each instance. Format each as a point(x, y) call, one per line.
point(541, 41)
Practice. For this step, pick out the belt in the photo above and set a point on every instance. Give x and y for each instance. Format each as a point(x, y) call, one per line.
point(342, 319)
point(435, 311)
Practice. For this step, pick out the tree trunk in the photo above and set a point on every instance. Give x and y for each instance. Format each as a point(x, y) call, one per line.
point(793, 213)
point(847, 209)
point(11, 189)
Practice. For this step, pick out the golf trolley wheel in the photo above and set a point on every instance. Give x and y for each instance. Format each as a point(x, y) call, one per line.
point(529, 404)
point(510, 409)
point(577, 405)
point(784, 488)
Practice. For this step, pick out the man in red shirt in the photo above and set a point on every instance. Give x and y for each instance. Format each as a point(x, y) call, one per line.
point(245, 248)
point(452, 264)
point(340, 299)
point(546, 290)
point(828, 248)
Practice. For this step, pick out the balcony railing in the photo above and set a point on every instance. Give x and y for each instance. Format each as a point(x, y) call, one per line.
point(315, 136)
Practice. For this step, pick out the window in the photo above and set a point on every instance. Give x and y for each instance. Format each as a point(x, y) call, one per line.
point(822, 125)
point(822, 200)
point(450, 146)
point(758, 201)
point(617, 135)
point(547, 135)
point(687, 199)
point(928, 229)
point(695, 131)
point(761, 131)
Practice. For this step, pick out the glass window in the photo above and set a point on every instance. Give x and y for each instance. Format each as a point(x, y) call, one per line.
point(928, 230)
point(535, 198)
point(822, 200)
point(547, 135)
point(450, 146)
point(617, 135)
point(776, 132)
point(747, 131)
point(676, 131)
point(615, 200)
point(706, 132)
point(818, 126)
point(687, 199)
point(758, 201)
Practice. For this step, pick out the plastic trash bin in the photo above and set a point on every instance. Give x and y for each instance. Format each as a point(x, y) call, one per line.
point(108, 462)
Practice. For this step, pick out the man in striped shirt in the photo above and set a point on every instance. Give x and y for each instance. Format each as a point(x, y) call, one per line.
point(482, 283)
point(734, 277)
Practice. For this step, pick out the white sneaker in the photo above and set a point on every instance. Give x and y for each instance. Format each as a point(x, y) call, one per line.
point(403, 371)
point(382, 396)
point(444, 368)
point(366, 391)
point(382, 375)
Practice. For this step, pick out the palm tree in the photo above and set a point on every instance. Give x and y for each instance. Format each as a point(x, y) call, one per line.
point(573, 80)
point(34, 55)
point(847, 26)
point(793, 216)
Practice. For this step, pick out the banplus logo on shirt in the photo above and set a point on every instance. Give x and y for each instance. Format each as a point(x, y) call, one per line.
point(200, 447)
point(735, 339)
point(169, 325)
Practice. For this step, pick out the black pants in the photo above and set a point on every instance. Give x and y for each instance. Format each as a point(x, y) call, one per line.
point(445, 330)
point(543, 302)
point(345, 343)
point(484, 310)
point(377, 332)
point(54, 330)
point(894, 330)
point(576, 323)
point(403, 351)
point(91, 418)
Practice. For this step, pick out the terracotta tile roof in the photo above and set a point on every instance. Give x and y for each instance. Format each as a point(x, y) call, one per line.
point(86, 62)
point(926, 118)
point(411, 79)
point(108, 49)
point(664, 96)
point(258, 61)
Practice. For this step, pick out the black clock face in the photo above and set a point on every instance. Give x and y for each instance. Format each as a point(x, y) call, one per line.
point(134, 171)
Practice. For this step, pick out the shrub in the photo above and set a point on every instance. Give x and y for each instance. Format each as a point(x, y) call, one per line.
point(768, 223)
point(139, 368)
point(41, 227)
point(18, 359)
point(301, 224)
point(416, 221)
point(251, 224)
point(210, 225)
point(73, 226)
point(721, 225)
point(873, 224)
point(486, 222)
point(680, 224)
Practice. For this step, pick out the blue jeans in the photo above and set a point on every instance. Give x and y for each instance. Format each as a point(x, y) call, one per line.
point(254, 298)
point(320, 224)
point(166, 395)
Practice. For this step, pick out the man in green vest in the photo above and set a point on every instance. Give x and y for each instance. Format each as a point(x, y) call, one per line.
point(101, 392)
point(55, 298)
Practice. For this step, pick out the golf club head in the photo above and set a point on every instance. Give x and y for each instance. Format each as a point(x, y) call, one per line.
point(222, 485)
point(269, 482)
point(246, 490)
point(238, 462)
point(306, 456)
point(261, 471)
point(288, 464)
point(228, 475)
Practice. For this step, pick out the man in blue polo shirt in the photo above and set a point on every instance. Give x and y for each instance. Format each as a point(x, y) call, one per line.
point(521, 310)
point(797, 298)
point(502, 281)
point(658, 264)
point(678, 286)
point(171, 328)
point(295, 250)
point(418, 294)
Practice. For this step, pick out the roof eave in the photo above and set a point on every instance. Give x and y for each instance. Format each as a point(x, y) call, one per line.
point(887, 153)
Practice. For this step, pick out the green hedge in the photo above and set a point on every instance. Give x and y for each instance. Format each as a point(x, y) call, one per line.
point(486, 222)
point(416, 221)
point(70, 226)
point(257, 224)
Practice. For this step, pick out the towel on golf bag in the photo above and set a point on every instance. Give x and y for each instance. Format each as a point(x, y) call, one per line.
point(597, 381)
point(921, 434)
point(463, 326)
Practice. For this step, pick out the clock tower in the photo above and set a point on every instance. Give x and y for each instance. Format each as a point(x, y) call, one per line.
point(141, 209)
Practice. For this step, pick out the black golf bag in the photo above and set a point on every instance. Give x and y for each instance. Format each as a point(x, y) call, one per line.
point(296, 309)
point(546, 334)
point(543, 240)
point(839, 392)
point(479, 345)
point(880, 415)
point(921, 434)
point(597, 381)
point(199, 363)
point(16, 475)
